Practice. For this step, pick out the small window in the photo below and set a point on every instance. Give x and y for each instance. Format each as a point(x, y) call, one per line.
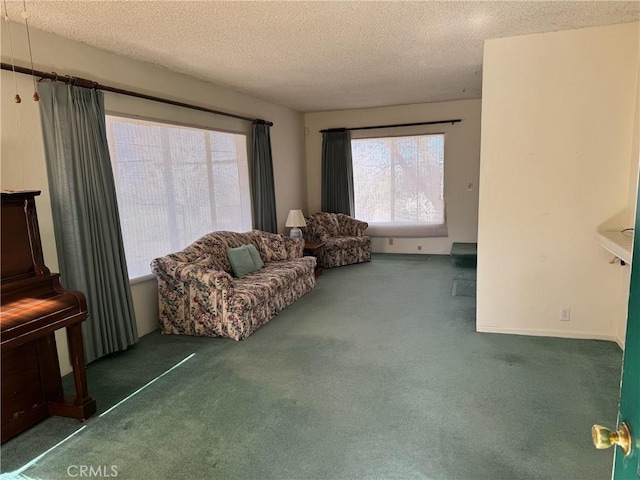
point(399, 185)
point(175, 184)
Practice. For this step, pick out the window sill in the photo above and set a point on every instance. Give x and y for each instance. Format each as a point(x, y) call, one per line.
point(400, 230)
point(143, 279)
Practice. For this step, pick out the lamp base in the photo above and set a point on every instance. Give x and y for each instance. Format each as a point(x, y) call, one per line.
point(295, 233)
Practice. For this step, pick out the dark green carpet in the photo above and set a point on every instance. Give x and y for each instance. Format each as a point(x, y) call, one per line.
point(464, 283)
point(375, 374)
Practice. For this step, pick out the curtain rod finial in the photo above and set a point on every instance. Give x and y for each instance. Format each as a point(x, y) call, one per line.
point(259, 121)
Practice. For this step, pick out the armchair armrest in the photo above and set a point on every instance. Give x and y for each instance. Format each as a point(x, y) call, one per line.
point(351, 226)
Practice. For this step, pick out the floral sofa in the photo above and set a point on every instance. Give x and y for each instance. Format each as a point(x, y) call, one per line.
point(199, 296)
point(343, 238)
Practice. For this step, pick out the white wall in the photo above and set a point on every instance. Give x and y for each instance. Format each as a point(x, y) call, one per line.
point(462, 157)
point(557, 134)
point(630, 217)
point(22, 151)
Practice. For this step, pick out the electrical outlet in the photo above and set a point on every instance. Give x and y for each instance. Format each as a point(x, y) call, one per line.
point(391, 241)
point(565, 314)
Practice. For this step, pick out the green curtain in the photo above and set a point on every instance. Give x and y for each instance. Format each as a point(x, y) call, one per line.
point(85, 214)
point(263, 194)
point(337, 172)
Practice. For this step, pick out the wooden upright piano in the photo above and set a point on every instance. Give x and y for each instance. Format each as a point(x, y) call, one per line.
point(33, 305)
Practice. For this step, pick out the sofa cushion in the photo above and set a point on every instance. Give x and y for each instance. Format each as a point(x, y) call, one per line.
point(255, 256)
point(337, 243)
point(263, 285)
point(241, 261)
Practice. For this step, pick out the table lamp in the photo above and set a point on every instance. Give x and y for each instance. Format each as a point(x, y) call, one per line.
point(295, 219)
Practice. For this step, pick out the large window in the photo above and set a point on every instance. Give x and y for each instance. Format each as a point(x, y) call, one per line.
point(399, 185)
point(175, 184)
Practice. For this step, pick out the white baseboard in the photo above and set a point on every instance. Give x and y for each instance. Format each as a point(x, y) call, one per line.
point(548, 333)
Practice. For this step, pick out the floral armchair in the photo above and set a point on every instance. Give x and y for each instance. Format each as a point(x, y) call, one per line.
point(343, 238)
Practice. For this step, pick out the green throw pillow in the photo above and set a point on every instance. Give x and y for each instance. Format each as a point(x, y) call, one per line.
point(241, 261)
point(255, 256)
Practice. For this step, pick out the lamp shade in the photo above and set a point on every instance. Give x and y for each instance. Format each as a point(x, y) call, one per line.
point(295, 219)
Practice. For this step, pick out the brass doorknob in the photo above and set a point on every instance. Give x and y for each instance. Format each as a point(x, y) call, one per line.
point(604, 438)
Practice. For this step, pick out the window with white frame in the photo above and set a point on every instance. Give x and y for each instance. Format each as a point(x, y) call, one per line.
point(399, 185)
point(175, 184)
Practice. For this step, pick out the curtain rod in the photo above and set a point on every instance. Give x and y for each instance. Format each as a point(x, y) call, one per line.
point(333, 130)
point(83, 82)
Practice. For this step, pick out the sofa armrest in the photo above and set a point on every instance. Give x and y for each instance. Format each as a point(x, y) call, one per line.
point(207, 279)
point(294, 247)
point(192, 295)
point(167, 268)
point(172, 270)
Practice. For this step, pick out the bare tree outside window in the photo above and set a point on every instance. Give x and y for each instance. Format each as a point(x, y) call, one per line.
point(399, 180)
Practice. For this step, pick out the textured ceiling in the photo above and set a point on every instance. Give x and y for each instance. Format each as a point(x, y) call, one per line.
point(315, 56)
